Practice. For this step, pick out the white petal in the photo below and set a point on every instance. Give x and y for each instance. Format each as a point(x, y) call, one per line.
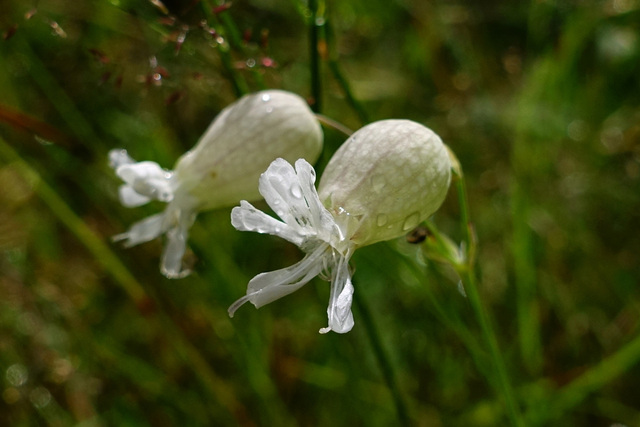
point(248, 218)
point(147, 179)
point(320, 217)
point(130, 198)
point(143, 231)
point(131, 172)
point(280, 187)
point(268, 287)
point(175, 247)
point(119, 157)
point(339, 310)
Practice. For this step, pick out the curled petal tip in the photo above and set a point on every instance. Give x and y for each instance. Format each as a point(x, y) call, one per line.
point(119, 157)
point(176, 274)
point(236, 305)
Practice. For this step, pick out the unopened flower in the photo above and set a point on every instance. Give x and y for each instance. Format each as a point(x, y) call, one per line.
point(219, 171)
point(383, 181)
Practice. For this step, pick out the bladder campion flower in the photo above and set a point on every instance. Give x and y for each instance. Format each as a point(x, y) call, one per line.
point(219, 171)
point(383, 181)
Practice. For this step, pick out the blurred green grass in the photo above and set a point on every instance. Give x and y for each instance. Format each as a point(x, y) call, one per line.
point(541, 103)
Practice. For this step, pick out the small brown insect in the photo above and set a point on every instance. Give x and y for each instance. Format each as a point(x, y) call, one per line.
point(418, 234)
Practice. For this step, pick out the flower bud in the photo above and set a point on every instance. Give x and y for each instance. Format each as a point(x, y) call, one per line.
point(385, 179)
point(222, 169)
point(225, 165)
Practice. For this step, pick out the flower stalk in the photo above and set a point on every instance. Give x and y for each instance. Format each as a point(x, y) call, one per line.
point(441, 248)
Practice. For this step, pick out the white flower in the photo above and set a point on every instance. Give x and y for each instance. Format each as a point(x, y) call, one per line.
point(383, 181)
point(219, 171)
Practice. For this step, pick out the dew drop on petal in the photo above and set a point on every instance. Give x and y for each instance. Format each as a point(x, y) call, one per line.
point(296, 191)
point(411, 221)
point(382, 220)
point(266, 97)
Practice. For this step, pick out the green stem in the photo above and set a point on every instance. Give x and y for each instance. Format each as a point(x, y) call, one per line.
point(488, 334)
point(315, 22)
point(448, 319)
point(336, 71)
point(468, 276)
point(235, 40)
point(383, 360)
point(334, 124)
point(240, 85)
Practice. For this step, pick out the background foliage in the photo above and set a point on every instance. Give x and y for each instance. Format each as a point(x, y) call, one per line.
point(539, 100)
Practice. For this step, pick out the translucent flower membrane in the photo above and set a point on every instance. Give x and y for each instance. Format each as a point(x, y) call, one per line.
point(219, 171)
point(385, 179)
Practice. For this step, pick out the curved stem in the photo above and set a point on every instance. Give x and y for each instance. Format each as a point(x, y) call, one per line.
point(468, 276)
point(503, 382)
point(334, 124)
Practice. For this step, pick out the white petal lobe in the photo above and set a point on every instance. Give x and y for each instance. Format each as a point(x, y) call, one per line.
point(340, 300)
point(248, 218)
point(143, 231)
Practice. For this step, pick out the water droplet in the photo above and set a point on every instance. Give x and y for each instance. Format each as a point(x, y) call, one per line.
point(251, 62)
point(17, 375)
point(168, 175)
point(266, 97)
point(378, 182)
point(40, 397)
point(269, 110)
point(382, 220)
point(296, 191)
point(411, 221)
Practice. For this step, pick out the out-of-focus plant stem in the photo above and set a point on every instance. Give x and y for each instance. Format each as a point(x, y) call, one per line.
point(336, 71)
point(232, 40)
point(468, 276)
point(442, 249)
point(232, 33)
point(316, 21)
point(388, 372)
